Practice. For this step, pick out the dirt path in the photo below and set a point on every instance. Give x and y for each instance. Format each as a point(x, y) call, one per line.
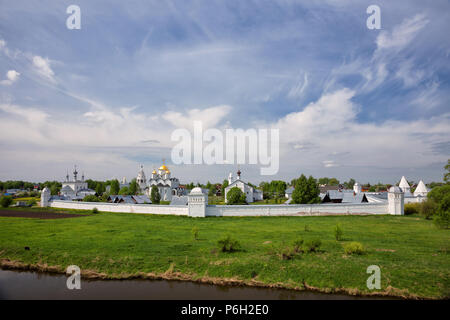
point(38, 214)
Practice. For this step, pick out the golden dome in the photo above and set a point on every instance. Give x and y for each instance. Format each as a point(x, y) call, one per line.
point(154, 171)
point(163, 167)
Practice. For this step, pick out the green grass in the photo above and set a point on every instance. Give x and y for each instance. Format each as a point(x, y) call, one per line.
point(412, 253)
point(26, 199)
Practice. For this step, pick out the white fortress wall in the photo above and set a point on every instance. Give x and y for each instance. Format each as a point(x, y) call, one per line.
point(121, 207)
point(302, 209)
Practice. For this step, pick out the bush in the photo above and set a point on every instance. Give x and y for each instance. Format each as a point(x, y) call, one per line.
point(90, 198)
point(338, 232)
point(286, 253)
point(236, 196)
point(155, 197)
point(194, 232)
point(428, 208)
point(31, 202)
point(312, 245)
point(94, 210)
point(298, 245)
point(228, 244)
point(6, 201)
point(411, 208)
point(442, 219)
point(354, 248)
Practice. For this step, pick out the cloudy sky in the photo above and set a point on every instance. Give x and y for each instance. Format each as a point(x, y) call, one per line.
point(348, 101)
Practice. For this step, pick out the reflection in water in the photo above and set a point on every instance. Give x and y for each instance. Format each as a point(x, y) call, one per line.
point(31, 285)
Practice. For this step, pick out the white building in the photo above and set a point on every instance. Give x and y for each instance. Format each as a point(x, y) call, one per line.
point(167, 185)
point(251, 194)
point(75, 189)
point(404, 186)
point(419, 195)
point(421, 190)
point(357, 188)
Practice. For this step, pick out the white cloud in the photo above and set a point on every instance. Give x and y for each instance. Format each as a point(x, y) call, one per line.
point(329, 164)
point(11, 77)
point(402, 34)
point(299, 88)
point(408, 75)
point(210, 117)
point(331, 124)
point(42, 67)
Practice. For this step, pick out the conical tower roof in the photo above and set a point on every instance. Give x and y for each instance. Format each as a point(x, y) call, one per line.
point(421, 188)
point(403, 183)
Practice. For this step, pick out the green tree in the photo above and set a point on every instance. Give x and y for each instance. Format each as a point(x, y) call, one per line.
point(333, 182)
point(124, 191)
point(6, 201)
point(438, 193)
point(134, 188)
point(442, 219)
point(236, 196)
point(115, 187)
point(90, 198)
point(447, 174)
point(306, 190)
point(212, 190)
point(224, 185)
point(54, 189)
point(155, 197)
point(99, 188)
point(91, 184)
point(350, 183)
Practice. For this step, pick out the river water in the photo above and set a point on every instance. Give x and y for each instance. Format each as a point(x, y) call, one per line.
point(32, 285)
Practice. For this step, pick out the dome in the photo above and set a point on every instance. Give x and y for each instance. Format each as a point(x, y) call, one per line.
point(164, 168)
point(196, 190)
point(154, 171)
point(395, 189)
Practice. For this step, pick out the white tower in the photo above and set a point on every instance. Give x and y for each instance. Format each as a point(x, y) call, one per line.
point(421, 190)
point(230, 178)
point(396, 201)
point(404, 186)
point(140, 179)
point(45, 197)
point(357, 188)
point(197, 202)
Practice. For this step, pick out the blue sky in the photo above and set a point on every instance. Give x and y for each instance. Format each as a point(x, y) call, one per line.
point(348, 101)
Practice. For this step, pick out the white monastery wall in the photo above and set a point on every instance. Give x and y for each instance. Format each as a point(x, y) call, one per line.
point(231, 210)
point(121, 207)
point(300, 210)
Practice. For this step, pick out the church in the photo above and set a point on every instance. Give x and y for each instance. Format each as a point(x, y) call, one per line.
point(75, 189)
point(251, 193)
point(161, 178)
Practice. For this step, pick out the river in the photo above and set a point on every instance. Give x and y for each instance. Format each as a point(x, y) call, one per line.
point(38, 286)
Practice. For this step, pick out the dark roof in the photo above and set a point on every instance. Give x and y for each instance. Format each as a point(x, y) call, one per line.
point(324, 189)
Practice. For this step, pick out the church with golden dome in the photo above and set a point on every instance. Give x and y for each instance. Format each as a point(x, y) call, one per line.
point(167, 185)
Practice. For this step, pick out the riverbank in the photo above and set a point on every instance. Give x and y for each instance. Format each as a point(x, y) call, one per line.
point(45, 286)
point(411, 252)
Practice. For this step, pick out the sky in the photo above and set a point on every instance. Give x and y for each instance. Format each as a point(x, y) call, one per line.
point(348, 101)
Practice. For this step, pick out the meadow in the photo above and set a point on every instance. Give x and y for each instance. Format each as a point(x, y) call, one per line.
point(412, 253)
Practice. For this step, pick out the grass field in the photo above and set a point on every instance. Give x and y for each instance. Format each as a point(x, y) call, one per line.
point(412, 253)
